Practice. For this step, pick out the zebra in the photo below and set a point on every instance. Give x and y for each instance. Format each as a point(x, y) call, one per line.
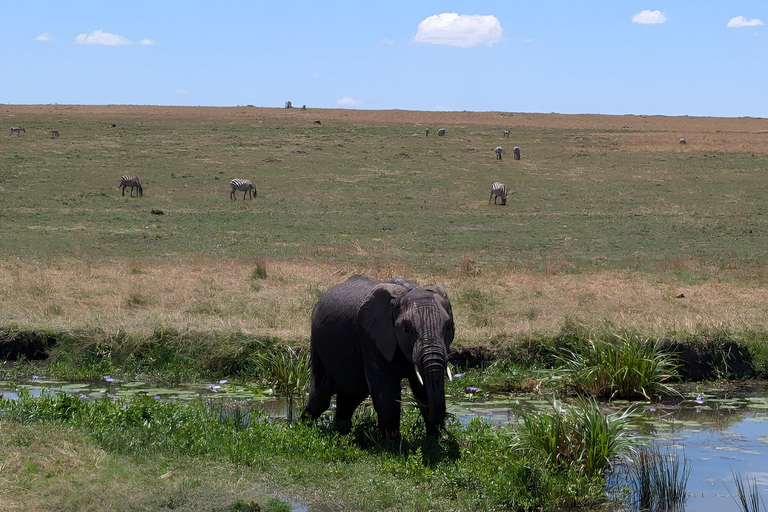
point(54, 134)
point(17, 130)
point(441, 132)
point(498, 152)
point(426, 132)
point(506, 134)
point(131, 181)
point(245, 186)
point(499, 190)
point(516, 152)
point(682, 142)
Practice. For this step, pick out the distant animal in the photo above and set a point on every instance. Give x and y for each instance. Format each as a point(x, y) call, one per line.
point(133, 182)
point(54, 134)
point(498, 152)
point(500, 191)
point(244, 186)
point(318, 122)
point(427, 132)
point(441, 132)
point(17, 130)
point(506, 134)
point(682, 142)
point(288, 104)
point(516, 152)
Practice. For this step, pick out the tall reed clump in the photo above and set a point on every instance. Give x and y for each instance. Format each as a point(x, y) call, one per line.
point(287, 371)
point(747, 497)
point(657, 479)
point(575, 436)
point(619, 366)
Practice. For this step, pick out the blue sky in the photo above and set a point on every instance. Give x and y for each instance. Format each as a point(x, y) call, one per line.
point(678, 57)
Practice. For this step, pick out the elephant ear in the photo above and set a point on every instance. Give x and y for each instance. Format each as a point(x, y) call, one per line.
point(376, 317)
point(446, 303)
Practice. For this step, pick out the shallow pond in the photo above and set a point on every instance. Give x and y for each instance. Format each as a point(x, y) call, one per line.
point(719, 432)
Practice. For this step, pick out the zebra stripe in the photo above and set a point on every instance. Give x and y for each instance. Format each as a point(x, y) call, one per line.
point(17, 130)
point(498, 189)
point(441, 132)
point(244, 186)
point(516, 152)
point(131, 181)
point(498, 151)
point(506, 134)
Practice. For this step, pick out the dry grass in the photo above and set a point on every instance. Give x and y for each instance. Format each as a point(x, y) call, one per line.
point(202, 294)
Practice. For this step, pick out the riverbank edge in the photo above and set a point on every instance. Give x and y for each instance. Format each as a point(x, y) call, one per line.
point(704, 355)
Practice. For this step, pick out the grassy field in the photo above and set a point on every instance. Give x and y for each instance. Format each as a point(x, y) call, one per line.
point(609, 218)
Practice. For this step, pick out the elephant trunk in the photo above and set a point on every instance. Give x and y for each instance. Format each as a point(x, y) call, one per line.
point(433, 363)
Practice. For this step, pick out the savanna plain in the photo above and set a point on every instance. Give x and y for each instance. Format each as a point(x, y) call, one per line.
point(611, 227)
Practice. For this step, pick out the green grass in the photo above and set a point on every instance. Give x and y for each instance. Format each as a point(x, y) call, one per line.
point(340, 194)
point(477, 467)
point(657, 478)
point(618, 366)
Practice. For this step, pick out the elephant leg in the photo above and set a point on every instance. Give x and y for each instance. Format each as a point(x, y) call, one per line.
point(320, 391)
point(386, 398)
point(345, 407)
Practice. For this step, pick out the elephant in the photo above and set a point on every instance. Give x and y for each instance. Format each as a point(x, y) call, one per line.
point(366, 336)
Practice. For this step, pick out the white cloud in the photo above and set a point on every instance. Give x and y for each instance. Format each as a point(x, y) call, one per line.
point(386, 42)
point(101, 37)
point(529, 40)
point(45, 37)
point(346, 101)
point(647, 17)
point(180, 91)
point(741, 21)
point(146, 42)
point(462, 30)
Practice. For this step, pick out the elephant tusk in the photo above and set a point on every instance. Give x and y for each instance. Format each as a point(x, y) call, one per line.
point(418, 375)
point(448, 369)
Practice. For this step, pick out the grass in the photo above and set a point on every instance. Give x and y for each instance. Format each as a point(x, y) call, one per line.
point(52, 444)
point(618, 366)
point(575, 437)
point(287, 371)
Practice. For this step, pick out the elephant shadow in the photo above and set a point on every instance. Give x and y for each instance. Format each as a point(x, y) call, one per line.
point(411, 438)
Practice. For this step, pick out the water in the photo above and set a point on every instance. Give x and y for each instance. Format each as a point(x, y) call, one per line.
point(718, 432)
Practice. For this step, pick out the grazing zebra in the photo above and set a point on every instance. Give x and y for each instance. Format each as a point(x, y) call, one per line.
point(54, 134)
point(516, 152)
point(131, 181)
point(682, 142)
point(427, 132)
point(506, 134)
point(499, 190)
point(441, 132)
point(17, 130)
point(498, 152)
point(244, 186)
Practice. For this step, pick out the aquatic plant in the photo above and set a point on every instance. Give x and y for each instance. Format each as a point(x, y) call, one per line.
point(657, 479)
point(619, 366)
point(287, 371)
point(575, 436)
point(749, 499)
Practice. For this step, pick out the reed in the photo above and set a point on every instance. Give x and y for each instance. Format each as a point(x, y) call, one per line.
point(287, 371)
point(747, 496)
point(576, 436)
point(619, 366)
point(657, 478)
